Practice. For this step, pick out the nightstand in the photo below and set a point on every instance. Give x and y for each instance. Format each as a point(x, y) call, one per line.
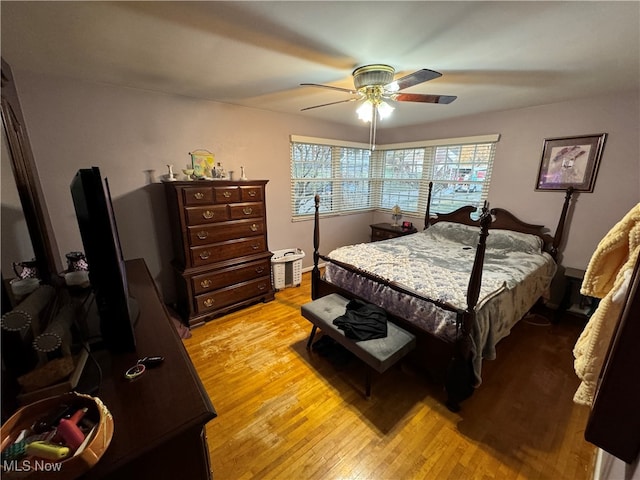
point(573, 301)
point(384, 231)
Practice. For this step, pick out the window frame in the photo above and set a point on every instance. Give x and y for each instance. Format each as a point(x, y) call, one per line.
point(338, 203)
point(378, 181)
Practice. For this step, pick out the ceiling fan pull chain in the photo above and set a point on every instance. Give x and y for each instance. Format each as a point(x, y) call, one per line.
point(371, 133)
point(374, 124)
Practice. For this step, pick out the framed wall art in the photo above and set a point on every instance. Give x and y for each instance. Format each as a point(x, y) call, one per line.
point(570, 162)
point(203, 162)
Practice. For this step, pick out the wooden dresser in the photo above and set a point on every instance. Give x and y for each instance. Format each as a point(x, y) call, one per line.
point(222, 260)
point(159, 418)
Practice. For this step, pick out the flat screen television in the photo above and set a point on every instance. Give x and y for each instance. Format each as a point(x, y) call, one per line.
point(117, 311)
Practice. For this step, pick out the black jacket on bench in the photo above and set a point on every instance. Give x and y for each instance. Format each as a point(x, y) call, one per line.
point(362, 321)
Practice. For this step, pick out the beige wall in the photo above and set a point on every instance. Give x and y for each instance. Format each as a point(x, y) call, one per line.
point(132, 134)
point(522, 133)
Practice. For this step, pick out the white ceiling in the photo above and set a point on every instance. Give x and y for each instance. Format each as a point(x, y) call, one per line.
point(493, 55)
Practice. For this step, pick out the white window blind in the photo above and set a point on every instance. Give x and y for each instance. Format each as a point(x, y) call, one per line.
point(348, 177)
point(339, 174)
point(461, 175)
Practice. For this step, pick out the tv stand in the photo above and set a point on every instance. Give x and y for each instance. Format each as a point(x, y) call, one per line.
point(160, 417)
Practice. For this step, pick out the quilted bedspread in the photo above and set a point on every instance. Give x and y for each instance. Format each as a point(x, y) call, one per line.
point(436, 264)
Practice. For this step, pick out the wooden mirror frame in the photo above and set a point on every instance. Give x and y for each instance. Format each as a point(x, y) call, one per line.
point(27, 181)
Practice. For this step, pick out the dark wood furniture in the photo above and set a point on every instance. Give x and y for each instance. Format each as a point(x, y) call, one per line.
point(36, 216)
point(220, 242)
point(159, 417)
point(446, 361)
point(384, 231)
point(26, 177)
point(572, 300)
point(25, 174)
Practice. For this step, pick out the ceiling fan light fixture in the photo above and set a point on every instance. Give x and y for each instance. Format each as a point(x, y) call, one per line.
point(369, 75)
point(384, 110)
point(374, 86)
point(392, 87)
point(365, 111)
point(369, 108)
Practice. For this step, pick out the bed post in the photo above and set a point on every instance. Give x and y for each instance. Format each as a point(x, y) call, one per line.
point(427, 213)
point(473, 291)
point(315, 273)
point(459, 377)
point(557, 237)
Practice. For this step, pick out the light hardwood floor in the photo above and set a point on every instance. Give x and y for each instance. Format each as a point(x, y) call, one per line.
point(286, 413)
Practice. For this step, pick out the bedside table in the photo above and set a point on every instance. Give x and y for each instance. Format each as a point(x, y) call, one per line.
point(573, 301)
point(384, 231)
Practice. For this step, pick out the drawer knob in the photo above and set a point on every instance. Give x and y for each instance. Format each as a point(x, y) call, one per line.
point(198, 195)
point(205, 283)
point(259, 269)
point(252, 193)
point(247, 210)
point(262, 286)
point(255, 246)
point(208, 214)
point(226, 194)
point(202, 234)
point(254, 228)
point(209, 302)
point(204, 255)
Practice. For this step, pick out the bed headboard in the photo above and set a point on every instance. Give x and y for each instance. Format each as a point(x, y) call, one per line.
point(461, 215)
point(505, 220)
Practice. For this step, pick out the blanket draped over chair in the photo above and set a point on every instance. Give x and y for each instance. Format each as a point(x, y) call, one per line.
point(607, 277)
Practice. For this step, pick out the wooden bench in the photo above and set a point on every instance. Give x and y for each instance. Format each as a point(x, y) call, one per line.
point(379, 354)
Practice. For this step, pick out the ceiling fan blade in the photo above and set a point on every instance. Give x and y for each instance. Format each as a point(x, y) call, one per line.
point(332, 103)
point(414, 78)
point(353, 92)
point(424, 98)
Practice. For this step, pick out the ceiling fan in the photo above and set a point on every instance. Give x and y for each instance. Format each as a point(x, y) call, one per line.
point(374, 86)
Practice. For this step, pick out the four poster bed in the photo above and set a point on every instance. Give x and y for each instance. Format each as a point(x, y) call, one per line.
point(459, 285)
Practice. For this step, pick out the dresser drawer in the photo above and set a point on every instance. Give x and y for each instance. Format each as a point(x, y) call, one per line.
point(208, 214)
point(382, 235)
point(229, 276)
point(218, 252)
point(253, 193)
point(226, 194)
point(197, 195)
point(246, 210)
point(218, 232)
point(232, 294)
point(384, 231)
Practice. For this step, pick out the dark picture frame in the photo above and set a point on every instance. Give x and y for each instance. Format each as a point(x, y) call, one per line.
point(570, 162)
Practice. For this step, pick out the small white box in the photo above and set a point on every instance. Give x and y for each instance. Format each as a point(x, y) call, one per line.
point(286, 268)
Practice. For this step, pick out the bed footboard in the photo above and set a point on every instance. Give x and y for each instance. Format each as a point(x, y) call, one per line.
point(453, 360)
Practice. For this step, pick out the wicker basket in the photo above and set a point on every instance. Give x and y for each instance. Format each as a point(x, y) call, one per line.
point(72, 467)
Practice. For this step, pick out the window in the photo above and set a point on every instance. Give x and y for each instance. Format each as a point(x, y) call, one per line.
point(461, 175)
point(340, 174)
point(402, 178)
point(348, 177)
